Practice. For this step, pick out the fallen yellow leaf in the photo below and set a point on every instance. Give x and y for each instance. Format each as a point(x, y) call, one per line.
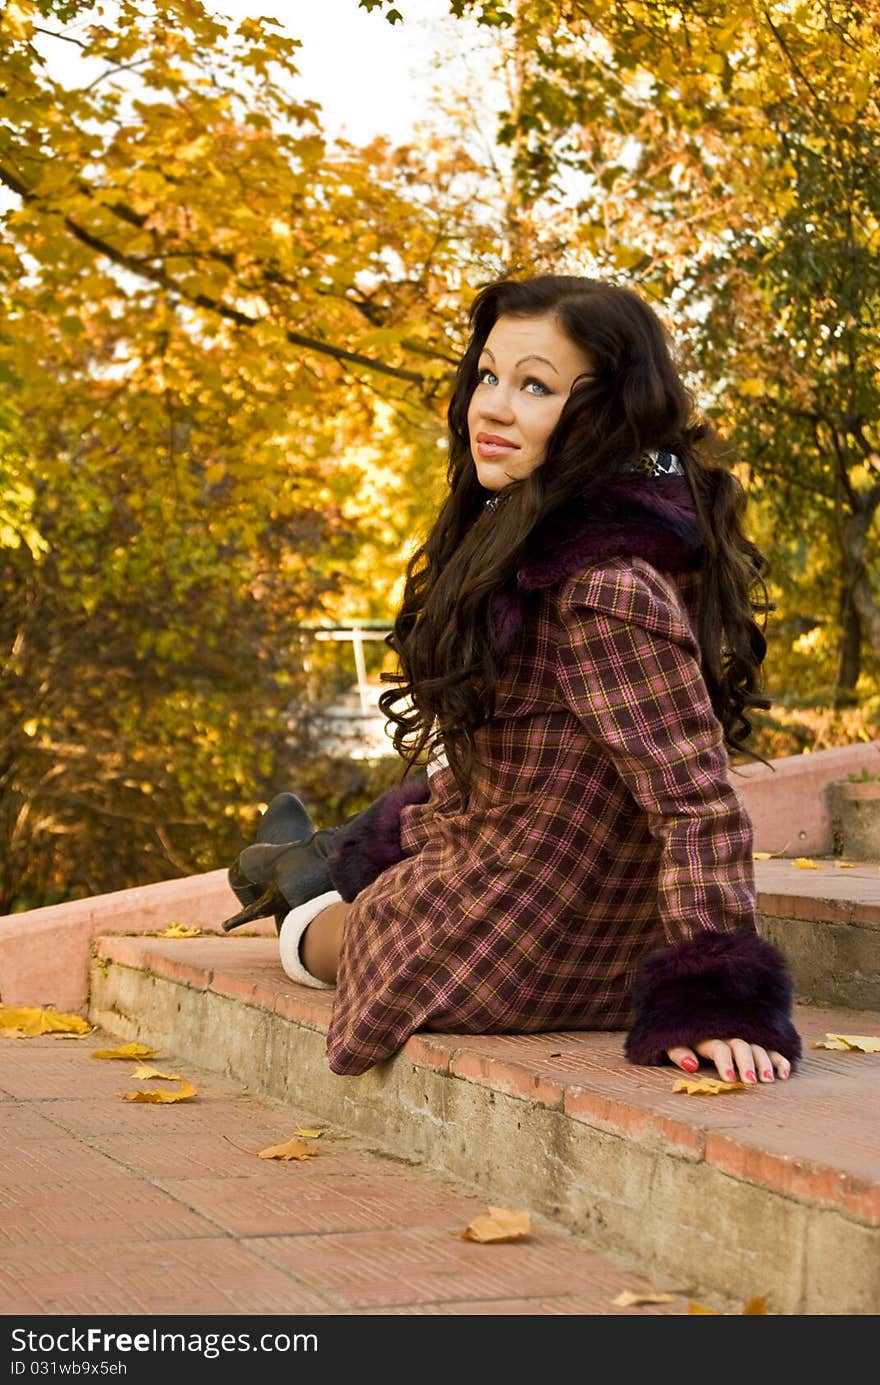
point(754, 1306)
point(707, 1086)
point(178, 930)
point(293, 1149)
point(629, 1299)
point(184, 1093)
point(126, 1051)
point(309, 1134)
point(757, 856)
point(804, 863)
point(844, 865)
point(501, 1224)
point(29, 1020)
point(853, 1043)
point(143, 1072)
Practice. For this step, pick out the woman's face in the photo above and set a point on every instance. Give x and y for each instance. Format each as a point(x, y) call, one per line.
point(526, 370)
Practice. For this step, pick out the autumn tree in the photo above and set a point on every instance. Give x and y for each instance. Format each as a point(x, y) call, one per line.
point(724, 159)
point(225, 345)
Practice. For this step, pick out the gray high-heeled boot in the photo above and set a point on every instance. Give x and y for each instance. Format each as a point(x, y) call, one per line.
point(283, 867)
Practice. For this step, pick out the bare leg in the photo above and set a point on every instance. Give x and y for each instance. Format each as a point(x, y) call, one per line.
point(322, 942)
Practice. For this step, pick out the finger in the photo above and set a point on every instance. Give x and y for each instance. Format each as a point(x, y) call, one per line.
point(683, 1058)
point(763, 1065)
point(745, 1062)
point(782, 1065)
point(719, 1053)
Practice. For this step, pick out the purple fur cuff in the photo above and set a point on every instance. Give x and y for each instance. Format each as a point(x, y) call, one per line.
point(715, 986)
point(369, 842)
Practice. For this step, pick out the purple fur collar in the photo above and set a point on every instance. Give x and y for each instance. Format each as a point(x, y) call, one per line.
point(650, 517)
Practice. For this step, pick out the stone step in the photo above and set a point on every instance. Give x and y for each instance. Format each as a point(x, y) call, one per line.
point(113, 1208)
point(770, 1190)
point(826, 920)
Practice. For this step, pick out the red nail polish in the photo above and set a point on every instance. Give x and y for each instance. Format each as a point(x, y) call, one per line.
point(690, 1063)
point(750, 1077)
point(730, 1075)
point(768, 1076)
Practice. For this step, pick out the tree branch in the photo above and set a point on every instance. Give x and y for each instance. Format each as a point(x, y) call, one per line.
point(202, 300)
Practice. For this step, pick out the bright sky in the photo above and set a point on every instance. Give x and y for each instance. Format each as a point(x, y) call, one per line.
point(371, 77)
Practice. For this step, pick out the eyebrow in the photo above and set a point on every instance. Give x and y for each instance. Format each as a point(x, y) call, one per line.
point(522, 360)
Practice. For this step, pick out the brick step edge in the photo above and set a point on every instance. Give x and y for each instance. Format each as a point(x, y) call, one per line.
point(688, 1189)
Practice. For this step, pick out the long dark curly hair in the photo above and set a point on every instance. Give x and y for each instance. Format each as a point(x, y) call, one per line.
point(634, 401)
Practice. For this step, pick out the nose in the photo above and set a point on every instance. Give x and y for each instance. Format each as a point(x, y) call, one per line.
point(497, 405)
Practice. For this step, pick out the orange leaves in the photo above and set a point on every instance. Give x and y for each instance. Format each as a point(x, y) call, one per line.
point(850, 1043)
point(178, 930)
point(499, 1224)
point(126, 1051)
point(707, 1086)
point(751, 1309)
point(293, 1149)
point(185, 1092)
point(144, 1073)
point(28, 1021)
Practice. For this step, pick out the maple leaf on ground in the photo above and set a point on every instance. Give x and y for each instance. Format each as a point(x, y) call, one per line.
point(501, 1224)
point(804, 863)
point(178, 930)
point(126, 1051)
point(707, 1086)
point(751, 1309)
point(29, 1021)
point(184, 1093)
point(143, 1073)
point(293, 1149)
point(850, 1043)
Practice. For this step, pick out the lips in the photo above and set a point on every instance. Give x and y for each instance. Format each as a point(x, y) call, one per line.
point(493, 445)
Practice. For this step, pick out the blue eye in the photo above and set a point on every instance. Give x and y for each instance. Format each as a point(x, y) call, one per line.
point(487, 376)
point(539, 387)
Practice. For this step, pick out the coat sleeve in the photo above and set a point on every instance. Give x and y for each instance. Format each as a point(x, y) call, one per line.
point(629, 669)
point(370, 841)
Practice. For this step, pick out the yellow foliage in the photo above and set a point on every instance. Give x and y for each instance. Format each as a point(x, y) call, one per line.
point(185, 1092)
point(500, 1224)
point(26, 1022)
point(293, 1149)
point(850, 1043)
point(707, 1086)
point(126, 1051)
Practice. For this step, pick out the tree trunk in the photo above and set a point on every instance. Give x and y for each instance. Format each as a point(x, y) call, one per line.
point(849, 653)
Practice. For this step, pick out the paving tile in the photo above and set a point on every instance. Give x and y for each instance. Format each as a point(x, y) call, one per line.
point(108, 1210)
point(172, 1277)
point(65, 1159)
point(291, 1204)
point(387, 1268)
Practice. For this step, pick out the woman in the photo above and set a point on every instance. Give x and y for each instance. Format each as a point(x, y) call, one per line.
point(578, 655)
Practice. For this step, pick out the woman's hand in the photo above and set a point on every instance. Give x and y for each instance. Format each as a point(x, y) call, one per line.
point(733, 1058)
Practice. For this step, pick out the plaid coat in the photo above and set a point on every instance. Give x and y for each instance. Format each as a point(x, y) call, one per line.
point(602, 838)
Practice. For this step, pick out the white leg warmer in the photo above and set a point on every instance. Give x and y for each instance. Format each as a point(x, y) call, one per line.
point(290, 937)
